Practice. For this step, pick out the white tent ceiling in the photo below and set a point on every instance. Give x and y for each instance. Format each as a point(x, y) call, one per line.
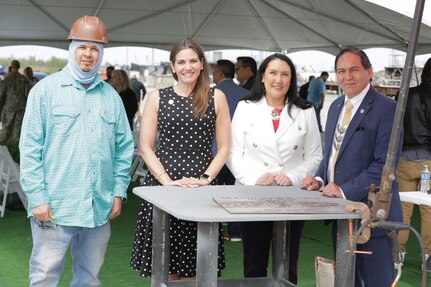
point(271, 25)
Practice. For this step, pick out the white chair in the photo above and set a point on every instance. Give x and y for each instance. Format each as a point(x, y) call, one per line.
point(138, 168)
point(10, 167)
point(4, 185)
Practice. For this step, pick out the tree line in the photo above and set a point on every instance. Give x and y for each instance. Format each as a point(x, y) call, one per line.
point(47, 66)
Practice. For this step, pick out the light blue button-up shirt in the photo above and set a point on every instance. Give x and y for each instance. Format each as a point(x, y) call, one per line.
point(76, 149)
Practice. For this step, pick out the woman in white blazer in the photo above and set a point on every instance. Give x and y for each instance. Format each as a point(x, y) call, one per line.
point(275, 141)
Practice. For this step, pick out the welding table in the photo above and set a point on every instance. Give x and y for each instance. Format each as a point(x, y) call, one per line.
point(198, 205)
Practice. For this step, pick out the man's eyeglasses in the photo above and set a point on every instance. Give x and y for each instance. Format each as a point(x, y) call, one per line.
point(237, 67)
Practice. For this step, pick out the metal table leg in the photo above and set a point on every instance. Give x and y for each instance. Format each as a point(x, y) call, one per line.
point(207, 254)
point(280, 254)
point(342, 257)
point(160, 260)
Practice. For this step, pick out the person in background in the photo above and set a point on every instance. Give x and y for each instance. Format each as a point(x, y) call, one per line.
point(108, 72)
point(13, 99)
point(357, 134)
point(245, 69)
point(120, 82)
point(223, 74)
point(28, 72)
point(316, 95)
point(275, 141)
point(416, 153)
point(2, 74)
point(138, 88)
point(186, 116)
point(303, 90)
point(76, 151)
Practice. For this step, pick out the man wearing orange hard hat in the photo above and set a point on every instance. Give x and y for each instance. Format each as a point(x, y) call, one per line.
point(76, 149)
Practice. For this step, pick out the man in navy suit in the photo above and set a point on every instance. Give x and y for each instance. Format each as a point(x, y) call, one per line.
point(246, 69)
point(224, 72)
point(355, 156)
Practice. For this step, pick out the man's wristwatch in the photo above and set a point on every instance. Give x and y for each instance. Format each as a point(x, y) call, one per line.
point(207, 177)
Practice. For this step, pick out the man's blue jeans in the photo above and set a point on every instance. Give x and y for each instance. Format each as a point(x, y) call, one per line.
point(50, 244)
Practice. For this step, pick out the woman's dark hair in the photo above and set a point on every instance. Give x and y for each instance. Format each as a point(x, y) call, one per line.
point(258, 90)
point(426, 72)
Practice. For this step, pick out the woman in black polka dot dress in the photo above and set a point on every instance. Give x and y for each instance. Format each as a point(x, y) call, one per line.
point(186, 116)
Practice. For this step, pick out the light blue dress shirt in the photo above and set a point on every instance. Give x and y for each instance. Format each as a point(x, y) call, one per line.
point(76, 149)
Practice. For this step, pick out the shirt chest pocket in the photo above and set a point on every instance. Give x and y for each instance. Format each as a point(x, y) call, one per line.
point(108, 125)
point(66, 117)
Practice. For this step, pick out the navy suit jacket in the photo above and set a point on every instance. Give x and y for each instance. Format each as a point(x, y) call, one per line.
point(249, 83)
point(233, 93)
point(363, 151)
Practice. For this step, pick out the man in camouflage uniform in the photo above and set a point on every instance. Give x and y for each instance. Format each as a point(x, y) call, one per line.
point(13, 98)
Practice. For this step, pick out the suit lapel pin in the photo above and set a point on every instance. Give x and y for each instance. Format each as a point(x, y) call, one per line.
point(362, 111)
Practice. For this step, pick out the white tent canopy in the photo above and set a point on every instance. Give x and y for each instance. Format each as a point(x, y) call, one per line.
point(271, 25)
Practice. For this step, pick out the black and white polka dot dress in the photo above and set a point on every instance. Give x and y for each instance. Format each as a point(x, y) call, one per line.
point(185, 151)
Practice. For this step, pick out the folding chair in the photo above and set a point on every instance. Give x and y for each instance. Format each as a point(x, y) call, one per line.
point(138, 168)
point(4, 185)
point(13, 168)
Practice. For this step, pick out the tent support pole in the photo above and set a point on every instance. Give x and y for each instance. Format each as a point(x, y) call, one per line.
point(405, 83)
point(388, 175)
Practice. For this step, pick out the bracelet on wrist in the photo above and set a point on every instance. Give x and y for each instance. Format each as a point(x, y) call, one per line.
point(160, 174)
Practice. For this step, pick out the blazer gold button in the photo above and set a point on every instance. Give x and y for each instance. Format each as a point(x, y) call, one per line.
point(295, 147)
point(254, 145)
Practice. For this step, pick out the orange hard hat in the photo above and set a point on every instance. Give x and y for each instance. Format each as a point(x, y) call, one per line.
point(89, 28)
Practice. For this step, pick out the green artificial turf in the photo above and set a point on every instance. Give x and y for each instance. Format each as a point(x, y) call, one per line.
point(15, 249)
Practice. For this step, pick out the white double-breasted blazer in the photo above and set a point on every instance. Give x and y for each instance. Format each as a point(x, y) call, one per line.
point(295, 149)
